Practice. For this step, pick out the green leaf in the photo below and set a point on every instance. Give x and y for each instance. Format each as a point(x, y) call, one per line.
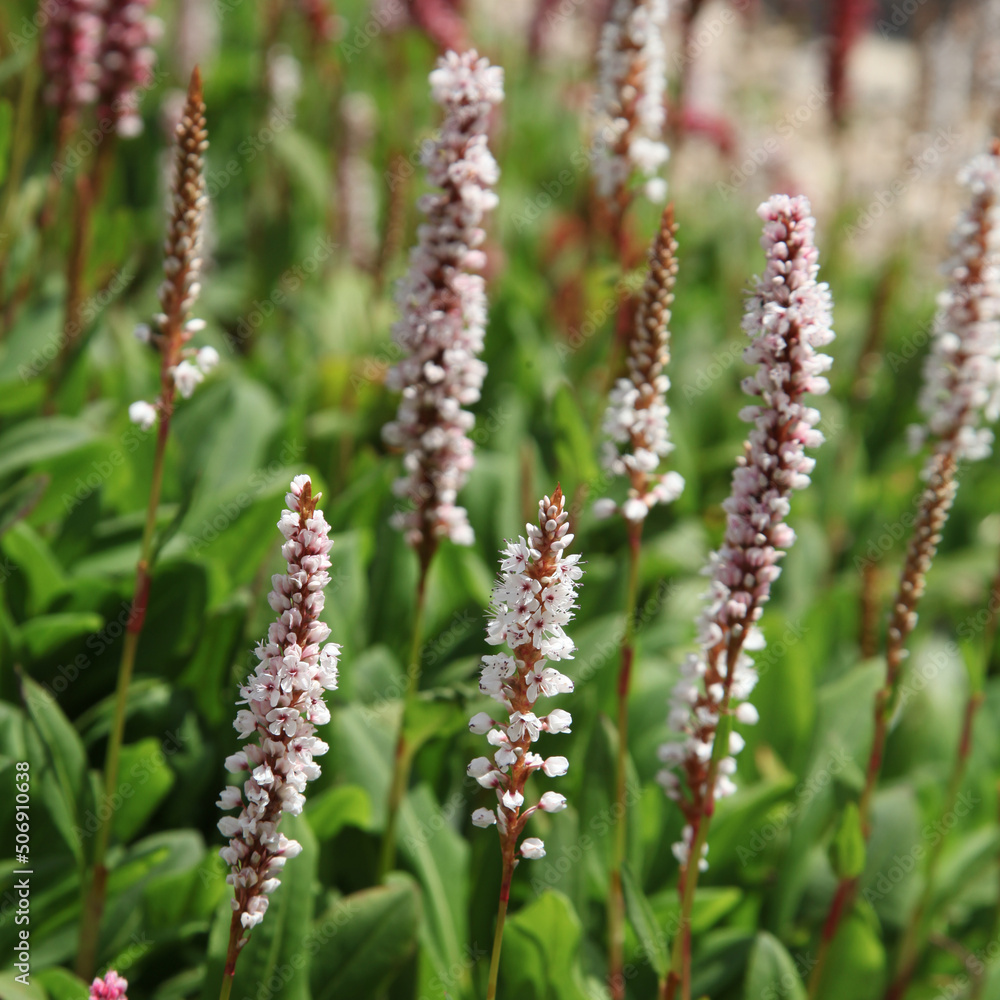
point(64, 780)
point(540, 957)
point(856, 965)
point(6, 131)
point(61, 984)
point(439, 857)
point(17, 501)
point(46, 578)
point(334, 808)
point(11, 989)
point(573, 446)
point(645, 924)
point(363, 939)
point(33, 441)
point(772, 972)
point(847, 851)
point(145, 779)
point(46, 633)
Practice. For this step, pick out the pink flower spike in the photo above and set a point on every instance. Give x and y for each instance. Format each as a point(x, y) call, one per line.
point(442, 305)
point(787, 318)
point(285, 704)
point(111, 987)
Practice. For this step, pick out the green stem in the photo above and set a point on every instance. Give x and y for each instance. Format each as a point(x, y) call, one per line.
point(403, 756)
point(227, 987)
point(508, 873)
point(909, 951)
point(616, 898)
point(680, 953)
point(19, 155)
point(93, 906)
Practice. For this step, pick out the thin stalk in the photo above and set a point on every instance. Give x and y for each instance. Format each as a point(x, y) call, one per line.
point(88, 192)
point(680, 955)
point(909, 951)
point(20, 147)
point(508, 874)
point(236, 942)
point(979, 981)
point(94, 903)
point(403, 756)
point(616, 899)
point(934, 507)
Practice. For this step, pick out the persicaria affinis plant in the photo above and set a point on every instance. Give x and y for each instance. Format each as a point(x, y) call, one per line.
point(284, 700)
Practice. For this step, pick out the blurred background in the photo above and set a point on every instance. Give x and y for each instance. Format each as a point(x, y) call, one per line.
point(316, 115)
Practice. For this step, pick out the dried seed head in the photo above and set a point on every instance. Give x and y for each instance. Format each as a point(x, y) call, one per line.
point(635, 422)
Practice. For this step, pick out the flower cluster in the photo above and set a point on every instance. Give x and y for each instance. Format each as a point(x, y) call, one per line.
point(183, 368)
point(111, 987)
point(533, 601)
point(630, 100)
point(961, 389)
point(100, 51)
point(443, 308)
point(126, 60)
point(70, 46)
point(358, 223)
point(284, 699)
point(788, 318)
point(636, 418)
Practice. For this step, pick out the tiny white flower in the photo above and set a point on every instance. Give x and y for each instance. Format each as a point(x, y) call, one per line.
point(555, 767)
point(747, 714)
point(532, 848)
point(480, 723)
point(559, 721)
point(552, 802)
point(186, 377)
point(142, 413)
point(484, 818)
point(478, 767)
point(207, 358)
point(604, 508)
point(512, 800)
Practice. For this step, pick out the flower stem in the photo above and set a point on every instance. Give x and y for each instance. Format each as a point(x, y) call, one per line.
point(680, 955)
point(20, 147)
point(90, 917)
point(227, 987)
point(404, 752)
point(508, 873)
point(616, 898)
point(909, 951)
